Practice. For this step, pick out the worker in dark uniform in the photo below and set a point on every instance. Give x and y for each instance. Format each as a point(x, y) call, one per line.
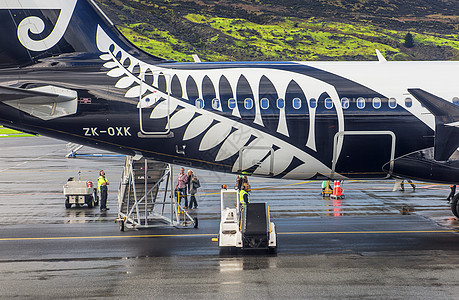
point(102, 184)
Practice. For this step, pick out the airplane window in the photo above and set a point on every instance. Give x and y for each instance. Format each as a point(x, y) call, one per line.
point(216, 103)
point(199, 103)
point(408, 102)
point(280, 103)
point(377, 103)
point(392, 103)
point(264, 103)
point(456, 100)
point(328, 103)
point(231, 103)
point(248, 103)
point(361, 103)
point(312, 103)
point(296, 102)
point(345, 103)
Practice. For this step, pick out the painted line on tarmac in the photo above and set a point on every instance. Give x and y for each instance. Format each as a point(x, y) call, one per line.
point(368, 232)
point(213, 234)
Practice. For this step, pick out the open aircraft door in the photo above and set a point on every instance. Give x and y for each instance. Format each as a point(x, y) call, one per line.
point(155, 106)
point(360, 151)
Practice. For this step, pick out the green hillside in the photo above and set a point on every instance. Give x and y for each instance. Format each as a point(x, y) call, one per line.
point(289, 29)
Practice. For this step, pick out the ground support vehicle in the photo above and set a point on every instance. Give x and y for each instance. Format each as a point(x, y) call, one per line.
point(245, 226)
point(80, 192)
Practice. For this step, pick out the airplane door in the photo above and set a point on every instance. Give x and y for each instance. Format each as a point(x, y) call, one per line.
point(257, 160)
point(361, 154)
point(155, 107)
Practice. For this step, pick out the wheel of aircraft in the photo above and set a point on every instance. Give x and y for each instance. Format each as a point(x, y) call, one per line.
point(455, 206)
point(122, 225)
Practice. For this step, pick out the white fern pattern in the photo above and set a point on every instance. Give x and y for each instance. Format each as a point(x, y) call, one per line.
point(227, 134)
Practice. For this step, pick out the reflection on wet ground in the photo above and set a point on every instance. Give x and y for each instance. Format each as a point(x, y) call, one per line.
point(374, 243)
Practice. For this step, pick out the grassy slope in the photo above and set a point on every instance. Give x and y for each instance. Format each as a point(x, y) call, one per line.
point(6, 132)
point(265, 30)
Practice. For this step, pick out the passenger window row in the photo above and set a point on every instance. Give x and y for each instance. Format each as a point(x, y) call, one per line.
point(296, 103)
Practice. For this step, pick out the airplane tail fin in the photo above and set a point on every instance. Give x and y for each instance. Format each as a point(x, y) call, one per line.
point(32, 30)
point(446, 123)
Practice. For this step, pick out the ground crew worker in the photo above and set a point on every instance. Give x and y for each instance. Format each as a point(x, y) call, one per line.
point(244, 195)
point(102, 184)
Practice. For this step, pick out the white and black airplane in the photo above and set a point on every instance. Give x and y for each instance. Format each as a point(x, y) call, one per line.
point(68, 73)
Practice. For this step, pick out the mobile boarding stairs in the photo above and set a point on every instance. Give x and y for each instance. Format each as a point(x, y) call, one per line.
point(146, 197)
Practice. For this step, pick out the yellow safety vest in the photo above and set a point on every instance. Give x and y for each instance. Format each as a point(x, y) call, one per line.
point(241, 196)
point(101, 181)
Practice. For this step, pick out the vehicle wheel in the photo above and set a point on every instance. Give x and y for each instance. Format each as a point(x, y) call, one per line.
point(122, 225)
point(454, 205)
point(195, 219)
point(96, 198)
point(67, 204)
point(91, 202)
point(272, 250)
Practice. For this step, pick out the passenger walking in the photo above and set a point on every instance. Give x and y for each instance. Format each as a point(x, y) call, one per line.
point(193, 185)
point(102, 184)
point(182, 181)
point(452, 193)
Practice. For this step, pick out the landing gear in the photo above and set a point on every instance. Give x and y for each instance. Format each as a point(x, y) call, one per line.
point(455, 205)
point(122, 225)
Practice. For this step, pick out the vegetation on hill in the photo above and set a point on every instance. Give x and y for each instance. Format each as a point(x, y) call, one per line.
point(289, 29)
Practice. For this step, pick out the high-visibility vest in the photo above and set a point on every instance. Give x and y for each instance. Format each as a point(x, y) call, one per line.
point(241, 196)
point(101, 181)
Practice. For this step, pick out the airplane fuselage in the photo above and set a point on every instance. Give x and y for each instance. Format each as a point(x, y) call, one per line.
point(82, 81)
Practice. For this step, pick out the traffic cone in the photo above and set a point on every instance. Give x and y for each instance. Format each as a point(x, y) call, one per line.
point(337, 192)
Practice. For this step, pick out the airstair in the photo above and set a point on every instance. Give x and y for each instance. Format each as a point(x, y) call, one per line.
point(146, 196)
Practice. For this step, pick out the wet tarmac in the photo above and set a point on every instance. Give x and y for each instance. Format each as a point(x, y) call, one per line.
point(358, 247)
